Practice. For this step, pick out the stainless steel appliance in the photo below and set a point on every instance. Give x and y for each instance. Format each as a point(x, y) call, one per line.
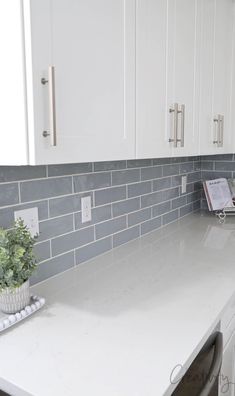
point(202, 377)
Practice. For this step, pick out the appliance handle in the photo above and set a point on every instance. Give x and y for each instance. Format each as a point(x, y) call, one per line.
point(215, 366)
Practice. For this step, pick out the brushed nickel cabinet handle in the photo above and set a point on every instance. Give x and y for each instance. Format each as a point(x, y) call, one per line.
point(52, 105)
point(182, 113)
point(221, 130)
point(174, 110)
point(216, 126)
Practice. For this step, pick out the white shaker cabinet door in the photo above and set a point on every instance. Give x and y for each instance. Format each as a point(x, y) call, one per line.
point(151, 79)
point(216, 77)
point(183, 75)
point(91, 46)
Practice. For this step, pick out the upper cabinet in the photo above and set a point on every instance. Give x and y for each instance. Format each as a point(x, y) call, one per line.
point(183, 76)
point(98, 80)
point(216, 112)
point(167, 83)
point(79, 88)
point(152, 138)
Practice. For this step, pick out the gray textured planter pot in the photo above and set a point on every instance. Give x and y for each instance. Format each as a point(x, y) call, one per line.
point(14, 300)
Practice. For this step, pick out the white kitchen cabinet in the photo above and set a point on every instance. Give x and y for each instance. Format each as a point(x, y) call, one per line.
point(86, 49)
point(216, 77)
point(152, 139)
point(167, 70)
point(183, 76)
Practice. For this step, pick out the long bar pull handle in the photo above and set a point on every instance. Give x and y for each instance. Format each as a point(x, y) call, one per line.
point(216, 130)
point(221, 130)
point(52, 105)
point(215, 366)
point(182, 113)
point(174, 110)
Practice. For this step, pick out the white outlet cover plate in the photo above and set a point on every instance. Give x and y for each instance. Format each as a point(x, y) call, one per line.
point(30, 219)
point(86, 209)
point(184, 184)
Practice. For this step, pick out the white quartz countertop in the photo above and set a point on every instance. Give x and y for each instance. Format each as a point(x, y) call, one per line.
point(119, 324)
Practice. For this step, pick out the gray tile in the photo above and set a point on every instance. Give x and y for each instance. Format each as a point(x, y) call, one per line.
point(54, 227)
point(139, 217)
point(134, 190)
point(110, 227)
point(42, 251)
point(93, 249)
point(195, 196)
point(127, 206)
point(207, 175)
point(207, 165)
point(72, 240)
point(176, 181)
point(197, 205)
point(92, 181)
point(53, 267)
point(162, 184)
point(197, 186)
point(186, 210)
point(69, 169)
point(150, 225)
point(125, 176)
point(109, 165)
point(197, 165)
point(170, 194)
point(217, 157)
point(151, 199)
point(126, 236)
point(48, 188)
point(9, 194)
point(187, 167)
point(139, 163)
point(193, 177)
point(181, 201)
point(169, 170)
point(160, 209)
point(153, 172)
point(162, 161)
point(15, 173)
point(67, 204)
point(7, 214)
point(224, 166)
point(171, 216)
point(110, 195)
point(101, 213)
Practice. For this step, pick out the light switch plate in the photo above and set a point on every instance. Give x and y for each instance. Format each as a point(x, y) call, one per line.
point(30, 219)
point(183, 184)
point(86, 209)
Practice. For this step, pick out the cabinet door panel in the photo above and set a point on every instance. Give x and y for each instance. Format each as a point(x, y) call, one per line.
point(151, 75)
point(222, 66)
point(92, 47)
point(216, 75)
point(183, 70)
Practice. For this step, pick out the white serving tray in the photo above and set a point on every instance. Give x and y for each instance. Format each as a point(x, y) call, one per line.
point(8, 321)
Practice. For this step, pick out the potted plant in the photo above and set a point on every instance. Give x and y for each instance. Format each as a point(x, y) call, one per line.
point(17, 263)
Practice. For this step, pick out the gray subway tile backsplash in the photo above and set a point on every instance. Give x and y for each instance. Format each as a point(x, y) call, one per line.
point(129, 198)
point(46, 188)
point(9, 194)
point(110, 227)
point(72, 240)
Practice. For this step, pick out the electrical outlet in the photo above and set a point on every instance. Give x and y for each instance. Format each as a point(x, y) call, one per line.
point(183, 184)
point(86, 209)
point(30, 219)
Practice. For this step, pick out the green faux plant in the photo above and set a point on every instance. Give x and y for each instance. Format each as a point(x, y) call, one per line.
point(17, 260)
